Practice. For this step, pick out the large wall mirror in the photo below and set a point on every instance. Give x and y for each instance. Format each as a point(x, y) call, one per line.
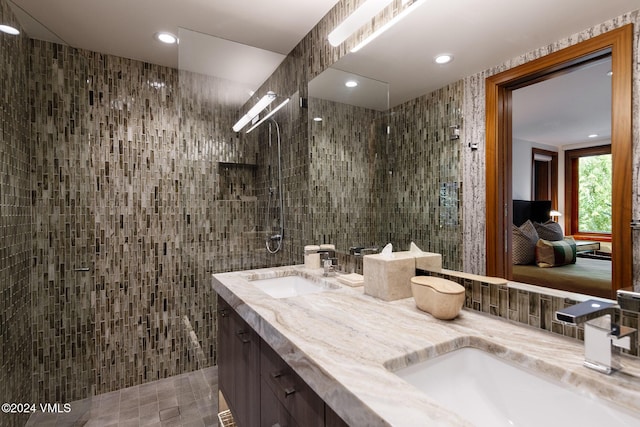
point(384, 161)
point(347, 118)
point(383, 168)
point(600, 70)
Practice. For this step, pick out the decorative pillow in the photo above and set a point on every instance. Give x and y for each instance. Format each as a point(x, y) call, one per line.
point(555, 254)
point(524, 243)
point(550, 230)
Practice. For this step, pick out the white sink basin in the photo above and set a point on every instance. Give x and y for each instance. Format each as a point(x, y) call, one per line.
point(489, 391)
point(290, 286)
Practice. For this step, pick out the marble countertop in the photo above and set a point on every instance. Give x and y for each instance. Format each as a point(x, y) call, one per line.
point(346, 344)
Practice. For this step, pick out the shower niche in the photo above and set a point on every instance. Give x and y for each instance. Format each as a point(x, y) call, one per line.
point(237, 213)
point(237, 181)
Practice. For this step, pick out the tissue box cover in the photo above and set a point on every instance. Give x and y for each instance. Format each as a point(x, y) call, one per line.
point(389, 278)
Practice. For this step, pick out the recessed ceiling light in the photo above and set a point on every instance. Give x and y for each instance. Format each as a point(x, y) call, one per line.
point(444, 58)
point(317, 119)
point(9, 29)
point(593, 135)
point(351, 83)
point(166, 37)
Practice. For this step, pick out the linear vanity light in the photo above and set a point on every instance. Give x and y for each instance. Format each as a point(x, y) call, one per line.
point(388, 25)
point(271, 113)
point(357, 19)
point(254, 111)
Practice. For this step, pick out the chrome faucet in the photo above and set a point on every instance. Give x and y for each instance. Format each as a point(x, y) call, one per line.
point(361, 250)
point(601, 333)
point(329, 261)
point(328, 266)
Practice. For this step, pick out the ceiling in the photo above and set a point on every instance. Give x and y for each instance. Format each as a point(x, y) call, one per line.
point(566, 109)
point(480, 34)
point(252, 34)
point(126, 27)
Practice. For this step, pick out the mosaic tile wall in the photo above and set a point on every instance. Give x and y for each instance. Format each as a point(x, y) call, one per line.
point(139, 178)
point(370, 188)
point(219, 193)
point(423, 185)
point(63, 185)
point(473, 163)
point(288, 81)
point(15, 223)
point(344, 180)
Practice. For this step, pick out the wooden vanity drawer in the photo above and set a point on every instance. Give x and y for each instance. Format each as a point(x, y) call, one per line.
point(272, 412)
point(299, 400)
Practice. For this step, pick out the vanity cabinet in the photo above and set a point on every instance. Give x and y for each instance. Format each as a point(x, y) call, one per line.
point(239, 365)
point(260, 388)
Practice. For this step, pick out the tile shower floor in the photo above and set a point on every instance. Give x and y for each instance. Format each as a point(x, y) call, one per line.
point(182, 401)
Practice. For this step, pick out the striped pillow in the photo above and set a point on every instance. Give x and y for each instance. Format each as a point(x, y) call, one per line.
point(555, 254)
point(550, 230)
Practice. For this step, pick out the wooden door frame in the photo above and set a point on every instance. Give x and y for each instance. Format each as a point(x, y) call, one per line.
point(619, 42)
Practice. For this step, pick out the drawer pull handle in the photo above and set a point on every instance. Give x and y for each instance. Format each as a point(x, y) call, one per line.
point(241, 335)
point(288, 391)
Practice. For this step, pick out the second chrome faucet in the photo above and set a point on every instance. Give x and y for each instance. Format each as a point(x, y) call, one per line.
point(601, 333)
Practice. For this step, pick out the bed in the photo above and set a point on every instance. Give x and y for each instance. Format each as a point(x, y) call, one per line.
point(587, 276)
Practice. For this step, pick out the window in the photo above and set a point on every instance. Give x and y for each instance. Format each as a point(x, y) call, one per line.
point(588, 187)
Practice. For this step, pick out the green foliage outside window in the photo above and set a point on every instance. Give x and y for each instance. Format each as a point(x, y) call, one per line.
point(594, 194)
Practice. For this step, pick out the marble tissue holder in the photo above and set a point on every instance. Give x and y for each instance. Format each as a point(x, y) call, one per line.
point(388, 275)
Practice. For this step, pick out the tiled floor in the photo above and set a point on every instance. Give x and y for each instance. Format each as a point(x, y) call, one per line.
point(187, 400)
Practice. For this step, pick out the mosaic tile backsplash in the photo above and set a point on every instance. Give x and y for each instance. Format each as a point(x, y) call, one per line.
point(530, 308)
